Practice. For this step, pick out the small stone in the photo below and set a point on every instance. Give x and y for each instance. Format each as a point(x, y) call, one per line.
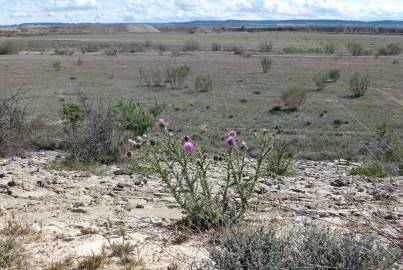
point(79, 210)
point(338, 183)
point(12, 183)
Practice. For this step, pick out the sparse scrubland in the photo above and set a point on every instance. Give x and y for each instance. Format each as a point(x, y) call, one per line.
point(120, 155)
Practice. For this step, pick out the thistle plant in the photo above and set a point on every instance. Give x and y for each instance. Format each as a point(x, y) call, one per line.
point(185, 170)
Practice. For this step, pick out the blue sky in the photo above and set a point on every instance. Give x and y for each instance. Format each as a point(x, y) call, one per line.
point(20, 11)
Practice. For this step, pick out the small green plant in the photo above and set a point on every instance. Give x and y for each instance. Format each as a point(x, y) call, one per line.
point(238, 50)
point(158, 108)
point(93, 262)
point(329, 48)
point(151, 78)
point(265, 62)
point(176, 76)
point(266, 46)
point(8, 47)
point(281, 159)
point(334, 74)
point(203, 83)
point(64, 52)
point(290, 50)
point(390, 49)
point(359, 84)
point(132, 116)
point(89, 47)
point(111, 52)
point(191, 45)
point(294, 98)
point(73, 114)
point(320, 80)
point(185, 171)
point(373, 169)
point(57, 65)
point(355, 48)
point(215, 47)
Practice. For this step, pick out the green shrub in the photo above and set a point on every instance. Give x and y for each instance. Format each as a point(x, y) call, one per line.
point(64, 52)
point(294, 98)
point(186, 173)
point(111, 52)
point(204, 83)
point(390, 49)
point(290, 50)
point(132, 116)
point(265, 62)
point(334, 74)
point(158, 108)
point(355, 48)
point(191, 45)
point(307, 248)
point(238, 50)
point(279, 162)
point(329, 48)
point(176, 76)
point(89, 47)
point(266, 46)
point(359, 84)
point(215, 47)
point(373, 169)
point(320, 80)
point(8, 47)
point(57, 65)
point(73, 114)
point(153, 78)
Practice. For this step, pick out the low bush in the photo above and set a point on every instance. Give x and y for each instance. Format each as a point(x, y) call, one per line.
point(64, 52)
point(176, 76)
point(266, 46)
point(290, 50)
point(281, 158)
point(294, 98)
point(373, 169)
point(8, 47)
point(329, 48)
point(306, 248)
point(111, 52)
point(359, 84)
point(215, 47)
point(265, 62)
point(132, 116)
point(334, 74)
point(57, 65)
point(191, 45)
point(14, 131)
point(204, 83)
point(185, 170)
point(238, 50)
point(320, 80)
point(355, 48)
point(89, 47)
point(390, 49)
point(151, 78)
point(72, 115)
point(158, 108)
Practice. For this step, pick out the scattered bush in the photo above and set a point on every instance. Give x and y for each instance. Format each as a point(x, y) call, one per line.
point(355, 48)
point(334, 74)
point(185, 171)
point(320, 80)
point(266, 46)
point(294, 98)
point(8, 47)
point(73, 114)
point(279, 162)
point(153, 78)
point(57, 65)
point(238, 50)
point(111, 52)
point(64, 52)
point(215, 47)
point(265, 62)
point(191, 45)
point(136, 48)
point(373, 169)
point(89, 47)
point(132, 116)
point(307, 248)
point(395, 62)
point(359, 84)
point(329, 48)
point(290, 50)
point(204, 83)
point(176, 76)
point(14, 131)
point(391, 49)
point(158, 108)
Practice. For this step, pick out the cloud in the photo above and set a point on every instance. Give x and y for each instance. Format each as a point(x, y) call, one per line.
point(63, 5)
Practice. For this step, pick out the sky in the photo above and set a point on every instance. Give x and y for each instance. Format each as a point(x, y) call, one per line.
point(109, 11)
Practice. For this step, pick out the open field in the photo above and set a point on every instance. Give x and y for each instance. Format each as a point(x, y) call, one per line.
point(90, 180)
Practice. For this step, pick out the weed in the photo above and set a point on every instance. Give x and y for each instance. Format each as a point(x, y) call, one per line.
point(203, 83)
point(132, 116)
point(373, 169)
point(390, 49)
point(153, 78)
point(64, 52)
point(111, 52)
point(329, 48)
point(8, 47)
point(359, 84)
point(279, 162)
point(266, 46)
point(57, 65)
point(334, 74)
point(191, 45)
point(89, 47)
point(265, 62)
point(215, 47)
point(176, 76)
point(93, 262)
point(294, 98)
point(355, 48)
point(320, 80)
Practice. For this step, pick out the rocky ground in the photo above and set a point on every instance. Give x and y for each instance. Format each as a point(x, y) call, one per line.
point(76, 213)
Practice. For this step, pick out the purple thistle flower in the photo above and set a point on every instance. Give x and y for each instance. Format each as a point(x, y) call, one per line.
point(132, 142)
point(233, 133)
point(230, 141)
point(188, 147)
